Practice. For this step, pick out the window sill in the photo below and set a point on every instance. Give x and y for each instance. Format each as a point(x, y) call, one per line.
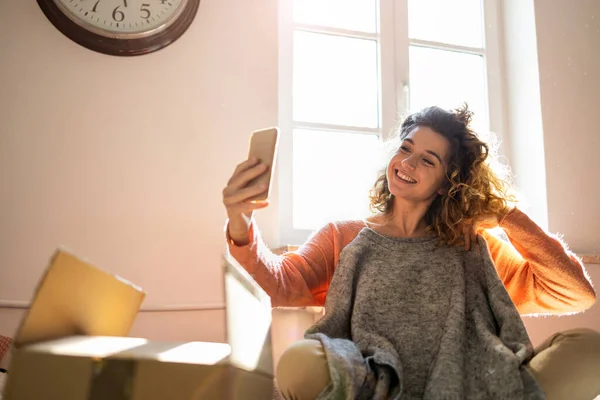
point(590, 258)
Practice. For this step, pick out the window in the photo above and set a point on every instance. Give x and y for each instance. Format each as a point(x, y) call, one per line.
point(348, 69)
point(447, 56)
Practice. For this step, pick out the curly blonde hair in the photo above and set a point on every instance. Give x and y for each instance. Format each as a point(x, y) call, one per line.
point(472, 187)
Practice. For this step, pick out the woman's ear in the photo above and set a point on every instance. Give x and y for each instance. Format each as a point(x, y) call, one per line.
point(444, 189)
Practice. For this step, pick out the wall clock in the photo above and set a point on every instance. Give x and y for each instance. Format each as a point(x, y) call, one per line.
point(121, 27)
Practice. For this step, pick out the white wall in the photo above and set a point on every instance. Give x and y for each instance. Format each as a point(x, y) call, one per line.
point(525, 136)
point(568, 39)
point(122, 160)
point(553, 91)
point(552, 66)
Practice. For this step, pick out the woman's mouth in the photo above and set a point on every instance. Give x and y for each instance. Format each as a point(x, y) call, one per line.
point(405, 177)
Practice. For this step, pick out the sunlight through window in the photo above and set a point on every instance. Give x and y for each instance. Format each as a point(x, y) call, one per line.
point(356, 15)
point(333, 172)
point(356, 68)
point(456, 22)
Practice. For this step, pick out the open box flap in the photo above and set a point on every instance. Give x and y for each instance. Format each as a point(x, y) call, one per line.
point(75, 298)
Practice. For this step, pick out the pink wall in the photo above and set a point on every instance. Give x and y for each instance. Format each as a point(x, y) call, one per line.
point(553, 98)
point(568, 39)
point(122, 160)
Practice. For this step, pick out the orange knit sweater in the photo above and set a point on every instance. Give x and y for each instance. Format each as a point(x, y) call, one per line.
point(540, 274)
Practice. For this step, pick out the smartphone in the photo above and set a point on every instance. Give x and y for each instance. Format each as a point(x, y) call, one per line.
point(263, 146)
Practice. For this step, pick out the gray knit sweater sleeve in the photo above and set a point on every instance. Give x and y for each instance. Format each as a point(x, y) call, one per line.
point(411, 319)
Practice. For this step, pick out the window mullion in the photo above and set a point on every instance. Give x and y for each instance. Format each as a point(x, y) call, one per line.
point(388, 101)
point(495, 87)
point(335, 128)
point(336, 31)
point(447, 47)
point(400, 63)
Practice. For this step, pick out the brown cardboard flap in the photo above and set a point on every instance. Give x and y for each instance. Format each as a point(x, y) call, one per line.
point(112, 347)
point(76, 298)
point(125, 368)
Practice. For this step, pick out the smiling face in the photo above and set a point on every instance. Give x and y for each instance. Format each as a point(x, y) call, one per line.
point(417, 171)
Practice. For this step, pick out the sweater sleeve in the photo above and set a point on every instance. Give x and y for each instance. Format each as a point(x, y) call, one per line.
point(539, 272)
point(294, 279)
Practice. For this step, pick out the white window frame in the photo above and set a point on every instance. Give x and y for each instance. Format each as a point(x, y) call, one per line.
point(394, 78)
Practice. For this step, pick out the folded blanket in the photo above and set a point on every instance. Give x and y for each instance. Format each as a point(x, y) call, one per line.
point(408, 318)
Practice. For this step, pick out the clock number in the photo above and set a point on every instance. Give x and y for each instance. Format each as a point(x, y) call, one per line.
point(145, 10)
point(95, 6)
point(118, 14)
point(163, 1)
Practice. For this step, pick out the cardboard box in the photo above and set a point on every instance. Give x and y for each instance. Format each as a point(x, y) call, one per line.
point(71, 345)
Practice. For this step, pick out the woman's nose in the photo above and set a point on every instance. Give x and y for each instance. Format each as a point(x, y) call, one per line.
point(410, 162)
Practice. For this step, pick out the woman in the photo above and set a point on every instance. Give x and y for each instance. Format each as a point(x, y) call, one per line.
point(438, 187)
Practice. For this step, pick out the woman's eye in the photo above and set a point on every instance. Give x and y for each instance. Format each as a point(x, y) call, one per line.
point(428, 162)
point(405, 149)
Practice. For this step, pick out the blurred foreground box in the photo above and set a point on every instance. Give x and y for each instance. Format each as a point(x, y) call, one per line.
point(72, 343)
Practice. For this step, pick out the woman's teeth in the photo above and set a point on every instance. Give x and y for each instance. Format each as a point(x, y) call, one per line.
point(405, 178)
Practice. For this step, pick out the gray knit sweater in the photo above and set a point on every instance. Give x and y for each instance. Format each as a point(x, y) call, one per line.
point(410, 319)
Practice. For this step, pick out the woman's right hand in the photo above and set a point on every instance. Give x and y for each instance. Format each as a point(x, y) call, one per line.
point(236, 197)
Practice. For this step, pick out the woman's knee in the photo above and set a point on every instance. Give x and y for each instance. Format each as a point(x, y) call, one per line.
point(576, 341)
point(580, 333)
point(568, 362)
point(302, 372)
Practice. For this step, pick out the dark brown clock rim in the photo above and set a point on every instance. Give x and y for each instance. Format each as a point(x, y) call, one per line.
point(119, 47)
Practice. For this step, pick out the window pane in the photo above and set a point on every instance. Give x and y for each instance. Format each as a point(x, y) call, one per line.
point(458, 22)
point(332, 175)
point(356, 15)
point(335, 80)
point(448, 79)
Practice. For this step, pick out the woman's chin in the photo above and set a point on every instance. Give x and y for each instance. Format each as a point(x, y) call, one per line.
point(412, 197)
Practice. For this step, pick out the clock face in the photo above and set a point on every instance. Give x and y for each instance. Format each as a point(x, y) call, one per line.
point(122, 18)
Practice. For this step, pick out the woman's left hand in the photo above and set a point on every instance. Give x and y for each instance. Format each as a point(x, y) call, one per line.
point(478, 223)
